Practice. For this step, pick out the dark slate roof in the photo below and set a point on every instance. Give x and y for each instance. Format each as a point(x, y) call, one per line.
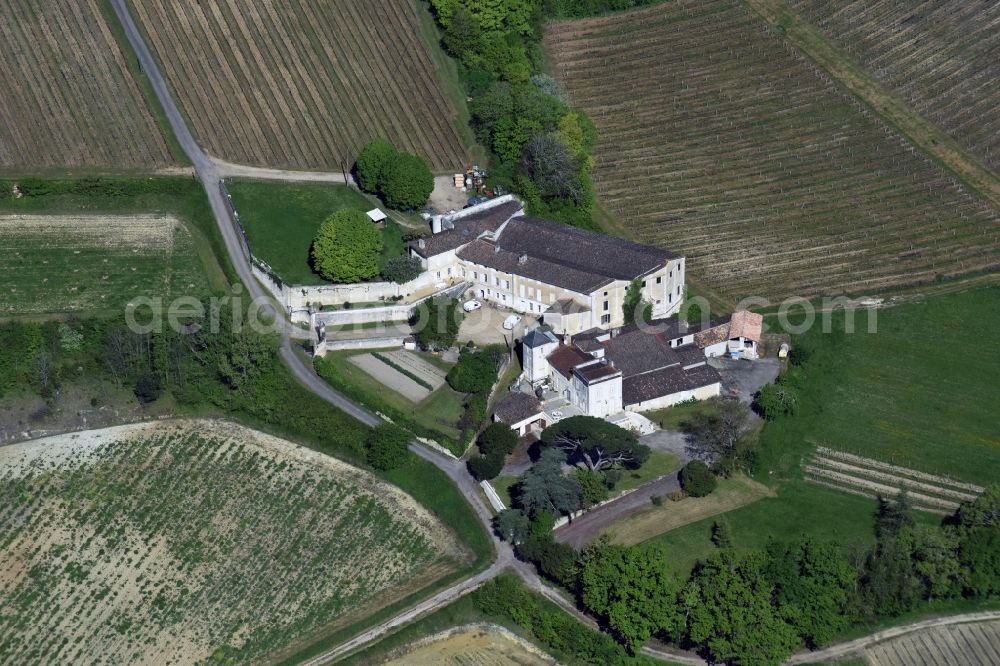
point(568, 306)
point(467, 229)
point(588, 344)
point(637, 352)
point(596, 372)
point(485, 253)
point(650, 385)
point(535, 338)
point(582, 250)
point(666, 381)
point(516, 407)
point(565, 358)
point(689, 355)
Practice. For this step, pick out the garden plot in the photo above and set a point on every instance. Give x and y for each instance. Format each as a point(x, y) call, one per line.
point(431, 374)
point(183, 541)
point(398, 377)
point(80, 263)
point(471, 645)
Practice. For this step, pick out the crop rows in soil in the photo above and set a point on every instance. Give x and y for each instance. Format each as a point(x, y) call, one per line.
point(716, 139)
point(303, 84)
point(977, 643)
point(871, 478)
point(162, 547)
point(68, 96)
point(942, 57)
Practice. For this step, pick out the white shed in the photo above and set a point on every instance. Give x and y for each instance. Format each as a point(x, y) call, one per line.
point(377, 216)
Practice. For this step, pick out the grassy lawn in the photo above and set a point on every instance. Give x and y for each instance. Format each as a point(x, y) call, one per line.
point(281, 220)
point(436, 416)
point(659, 463)
point(502, 484)
point(920, 392)
point(800, 508)
point(656, 520)
point(671, 418)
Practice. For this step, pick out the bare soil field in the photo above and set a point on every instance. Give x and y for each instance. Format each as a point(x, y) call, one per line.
point(471, 645)
point(966, 644)
point(303, 84)
point(69, 97)
point(717, 139)
point(87, 263)
point(189, 541)
point(942, 57)
point(389, 376)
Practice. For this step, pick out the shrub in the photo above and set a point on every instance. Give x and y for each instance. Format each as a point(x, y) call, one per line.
point(402, 269)
point(497, 438)
point(774, 400)
point(148, 388)
point(697, 479)
point(386, 446)
point(485, 468)
point(347, 247)
point(476, 371)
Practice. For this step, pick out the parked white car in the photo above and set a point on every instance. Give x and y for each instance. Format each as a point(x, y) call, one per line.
point(472, 306)
point(510, 322)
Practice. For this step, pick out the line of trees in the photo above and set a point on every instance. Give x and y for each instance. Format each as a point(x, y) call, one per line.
point(402, 180)
point(761, 605)
point(540, 146)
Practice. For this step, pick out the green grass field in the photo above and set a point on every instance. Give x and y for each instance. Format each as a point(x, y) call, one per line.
point(281, 220)
point(920, 392)
point(659, 463)
point(800, 509)
point(89, 246)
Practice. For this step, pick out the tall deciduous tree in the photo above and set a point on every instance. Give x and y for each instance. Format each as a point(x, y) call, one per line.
point(347, 247)
point(632, 589)
point(722, 439)
point(595, 443)
point(373, 164)
point(408, 182)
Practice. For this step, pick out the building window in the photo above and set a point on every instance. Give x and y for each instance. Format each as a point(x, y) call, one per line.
point(659, 279)
point(439, 273)
point(606, 319)
point(605, 306)
point(678, 290)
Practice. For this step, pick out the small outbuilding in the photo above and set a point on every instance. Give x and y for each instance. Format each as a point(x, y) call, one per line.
point(520, 411)
point(377, 216)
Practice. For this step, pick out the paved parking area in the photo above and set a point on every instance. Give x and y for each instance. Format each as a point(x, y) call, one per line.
point(485, 326)
point(742, 379)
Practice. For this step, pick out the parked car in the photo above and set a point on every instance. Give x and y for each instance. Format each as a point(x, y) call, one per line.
point(510, 322)
point(472, 306)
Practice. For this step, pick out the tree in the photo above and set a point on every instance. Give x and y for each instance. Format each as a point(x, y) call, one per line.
point(545, 488)
point(497, 438)
point(721, 439)
point(486, 467)
point(408, 182)
point(697, 479)
point(721, 538)
point(347, 247)
point(593, 486)
point(553, 169)
point(596, 443)
point(814, 587)
point(148, 388)
point(476, 371)
point(402, 269)
point(774, 400)
point(634, 308)
point(511, 525)
point(892, 516)
point(729, 614)
point(373, 164)
point(935, 555)
point(436, 323)
point(978, 530)
point(386, 446)
point(632, 589)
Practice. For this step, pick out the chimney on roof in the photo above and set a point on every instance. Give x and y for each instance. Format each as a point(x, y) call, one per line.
point(496, 249)
point(421, 243)
point(522, 260)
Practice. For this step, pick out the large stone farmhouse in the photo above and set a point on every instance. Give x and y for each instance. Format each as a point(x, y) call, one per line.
point(573, 279)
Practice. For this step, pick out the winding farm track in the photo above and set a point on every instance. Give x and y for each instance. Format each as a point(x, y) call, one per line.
point(210, 171)
point(846, 649)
